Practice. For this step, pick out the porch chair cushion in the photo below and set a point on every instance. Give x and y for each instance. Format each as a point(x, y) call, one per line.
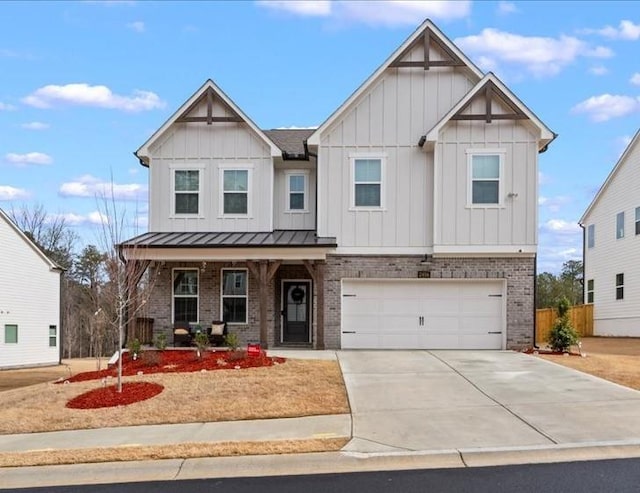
point(217, 329)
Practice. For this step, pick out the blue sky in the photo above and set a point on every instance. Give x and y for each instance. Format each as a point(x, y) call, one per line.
point(84, 84)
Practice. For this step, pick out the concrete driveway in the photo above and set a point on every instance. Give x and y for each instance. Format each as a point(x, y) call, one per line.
point(453, 400)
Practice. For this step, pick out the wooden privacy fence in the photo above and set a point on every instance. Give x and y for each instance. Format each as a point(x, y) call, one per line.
point(581, 317)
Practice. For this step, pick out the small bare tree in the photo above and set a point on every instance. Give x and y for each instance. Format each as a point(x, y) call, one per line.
point(124, 293)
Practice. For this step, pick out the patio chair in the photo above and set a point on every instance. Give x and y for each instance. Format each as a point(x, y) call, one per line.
point(181, 334)
point(217, 332)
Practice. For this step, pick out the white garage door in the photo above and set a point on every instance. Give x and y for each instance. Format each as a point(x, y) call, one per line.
point(422, 314)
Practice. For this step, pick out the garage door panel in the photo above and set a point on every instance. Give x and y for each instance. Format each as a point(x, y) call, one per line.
point(422, 314)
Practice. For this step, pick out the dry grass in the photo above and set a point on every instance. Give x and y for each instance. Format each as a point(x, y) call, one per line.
point(177, 451)
point(14, 379)
point(613, 358)
point(295, 388)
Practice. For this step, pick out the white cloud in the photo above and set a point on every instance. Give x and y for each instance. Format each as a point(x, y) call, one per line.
point(28, 158)
point(541, 56)
point(7, 107)
point(137, 26)
point(90, 186)
point(96, 96)
point(506, 8)
point(599, 70)
point(382, 12)
point(554, 204)
point(12, 193)
point(607, 106)
point(35, 126)
point(626, 30)
point(73, 219)
point(307, 8)
point(560, 226)
point(635, 79)
point(543, 179)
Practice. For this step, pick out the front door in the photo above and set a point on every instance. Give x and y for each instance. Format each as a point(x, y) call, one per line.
point(296, 307)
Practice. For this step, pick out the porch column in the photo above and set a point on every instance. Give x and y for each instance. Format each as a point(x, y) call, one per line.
point(264, 272)
point(316, 270)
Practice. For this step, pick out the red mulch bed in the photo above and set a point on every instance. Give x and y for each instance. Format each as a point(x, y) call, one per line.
point(110, 397)
point(180, 361)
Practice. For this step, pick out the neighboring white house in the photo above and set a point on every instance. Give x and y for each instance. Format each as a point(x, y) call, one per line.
point(408, 219)
point(611, 227)
point(29, 301)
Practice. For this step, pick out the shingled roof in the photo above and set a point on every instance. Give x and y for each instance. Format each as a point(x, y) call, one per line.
point(290, 141)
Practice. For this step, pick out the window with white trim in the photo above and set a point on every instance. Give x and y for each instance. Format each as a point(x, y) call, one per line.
point(53, 336)
point(11, 334)
point(185, 295)
point(367, 183)
point(297, 191)
point(235, 191)
point(186, 186)
point(619, 286)
point(234, 294)
point(637, 221)
point(485, 177)
point(619, 225)
point(590, 290)
point(591, 235)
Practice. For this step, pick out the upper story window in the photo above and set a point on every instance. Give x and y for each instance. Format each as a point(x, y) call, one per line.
point(485, 177)
point(186, 185)
point(368, 184)
point(185, 295)
point(590, 291)
point(591, 235)
point(620, 225)
point(637, 220)
point(297, 191)
point(235, 192)
point(619, 286)
point(234, 296)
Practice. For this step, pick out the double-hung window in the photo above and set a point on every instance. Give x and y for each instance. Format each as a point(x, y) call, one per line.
point(185, 295)
point(368, 191)
point(485, 177)
point(591, 235)
point(619, 286)
point(11, 334)
point(186, 187)
point(620, 225)
point(637, 220)
point(234, 296)
point(235, 191)
point(590, 291)
point(297, 191)
point(53, 336)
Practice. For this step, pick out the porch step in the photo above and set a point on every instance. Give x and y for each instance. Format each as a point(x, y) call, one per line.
point(294, 345)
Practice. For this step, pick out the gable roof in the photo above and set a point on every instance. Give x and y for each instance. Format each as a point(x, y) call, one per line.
point(52, 265)
point(490, 85)
point(612, 174)
point(427, 31)
point(207, 91)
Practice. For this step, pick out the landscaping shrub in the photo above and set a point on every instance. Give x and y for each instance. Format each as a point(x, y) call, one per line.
point(161, 341)
point(231, 341)
point(201, 341)
point(562, 335)
point(135, 348)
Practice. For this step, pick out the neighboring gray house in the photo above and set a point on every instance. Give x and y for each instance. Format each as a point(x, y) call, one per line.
point(611, 226)
point(408, 219)
point(29, 301)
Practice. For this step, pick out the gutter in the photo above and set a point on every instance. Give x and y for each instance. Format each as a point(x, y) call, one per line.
point(584, 255)
point(535, 300)
point(546, 146)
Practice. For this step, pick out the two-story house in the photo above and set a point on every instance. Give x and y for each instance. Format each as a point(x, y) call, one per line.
point(611, 228)
point(408, 219)
point(30, 332)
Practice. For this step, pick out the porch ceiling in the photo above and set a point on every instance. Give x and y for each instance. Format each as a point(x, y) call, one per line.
point(279, 244)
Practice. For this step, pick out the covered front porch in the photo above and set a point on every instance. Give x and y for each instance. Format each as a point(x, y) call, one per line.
point(267, 287)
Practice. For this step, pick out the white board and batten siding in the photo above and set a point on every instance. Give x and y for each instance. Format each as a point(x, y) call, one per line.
point(288, 219)
point(423, 314)
point(387, 120)
point(29, 298)
point(210, 148)
point(514, 221)
point(611, 256)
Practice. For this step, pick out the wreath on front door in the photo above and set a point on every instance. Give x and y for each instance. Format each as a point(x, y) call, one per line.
point(297, 294)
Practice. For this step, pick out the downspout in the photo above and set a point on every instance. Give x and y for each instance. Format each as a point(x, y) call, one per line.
point(535, 300)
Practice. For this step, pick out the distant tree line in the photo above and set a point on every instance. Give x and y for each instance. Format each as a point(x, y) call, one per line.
point(551, 288)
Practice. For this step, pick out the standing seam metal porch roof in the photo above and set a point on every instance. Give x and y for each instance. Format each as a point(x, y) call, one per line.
point(277, 238)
